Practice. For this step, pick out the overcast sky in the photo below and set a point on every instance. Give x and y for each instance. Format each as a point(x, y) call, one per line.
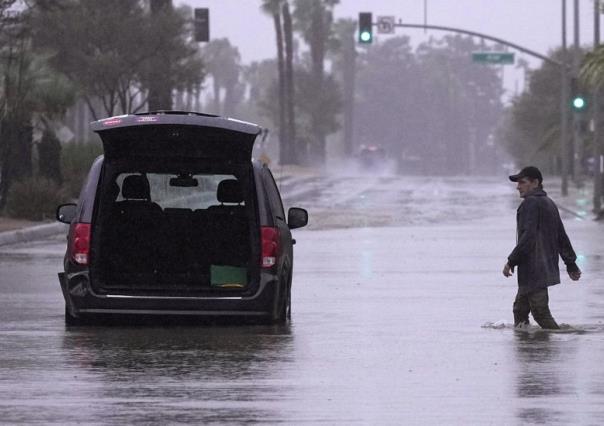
point(535, 24)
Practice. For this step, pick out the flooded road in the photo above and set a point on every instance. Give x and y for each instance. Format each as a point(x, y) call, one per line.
point(405, 324)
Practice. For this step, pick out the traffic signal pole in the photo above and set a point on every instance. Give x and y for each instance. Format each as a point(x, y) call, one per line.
point(577, 147)
point(485, 36)
point(564, 151)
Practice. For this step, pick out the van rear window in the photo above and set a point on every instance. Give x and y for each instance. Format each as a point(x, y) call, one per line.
point(196, 191)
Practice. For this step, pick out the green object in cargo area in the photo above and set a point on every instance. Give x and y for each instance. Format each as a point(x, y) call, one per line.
point(228, 276)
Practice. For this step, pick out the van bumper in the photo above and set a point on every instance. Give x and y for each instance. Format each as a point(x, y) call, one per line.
point(81, 300)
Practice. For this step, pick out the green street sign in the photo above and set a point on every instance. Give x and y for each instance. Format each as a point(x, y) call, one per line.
point(501, 58)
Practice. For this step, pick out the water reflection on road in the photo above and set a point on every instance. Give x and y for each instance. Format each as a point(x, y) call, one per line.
point(182, 373)
point(387, 329)
point(537, 355)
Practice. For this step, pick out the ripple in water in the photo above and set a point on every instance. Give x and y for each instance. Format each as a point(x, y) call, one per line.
point(533, 328)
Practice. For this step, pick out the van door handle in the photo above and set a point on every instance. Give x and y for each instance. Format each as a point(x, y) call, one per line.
point(293, 241)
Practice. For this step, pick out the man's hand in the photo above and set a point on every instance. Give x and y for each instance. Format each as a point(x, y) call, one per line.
point(575, 275)
point(508, 270)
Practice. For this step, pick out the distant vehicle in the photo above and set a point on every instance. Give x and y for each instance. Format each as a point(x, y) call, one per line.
point(372, 157)
point(175, 219)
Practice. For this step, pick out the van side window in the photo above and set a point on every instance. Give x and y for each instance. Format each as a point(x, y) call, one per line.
point(273, 194)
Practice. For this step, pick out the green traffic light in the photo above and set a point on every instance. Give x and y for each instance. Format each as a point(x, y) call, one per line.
point(579, 103)
point(365, 37)
point(365, 27)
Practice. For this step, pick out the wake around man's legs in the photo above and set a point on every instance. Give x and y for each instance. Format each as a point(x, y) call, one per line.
point(536, 303)
point(539, 302)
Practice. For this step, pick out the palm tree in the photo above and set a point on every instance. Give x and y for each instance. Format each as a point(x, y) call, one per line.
point(289, 83)
point(592, 70)
point(223, 63)
point(314, 19)
point(274, 8)
point(160, 90)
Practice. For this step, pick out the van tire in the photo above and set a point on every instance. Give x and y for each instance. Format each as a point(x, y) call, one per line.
point(70, 319)
point(289, 296)
point(288, 303)
point(283, 305)
point(285, 309)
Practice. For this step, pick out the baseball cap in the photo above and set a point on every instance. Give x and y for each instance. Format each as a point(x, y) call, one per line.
point(531, 172)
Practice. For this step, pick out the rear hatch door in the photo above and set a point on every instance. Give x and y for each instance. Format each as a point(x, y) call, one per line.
point(176, 135)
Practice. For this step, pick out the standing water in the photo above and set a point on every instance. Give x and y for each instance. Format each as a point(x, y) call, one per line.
point(400, 316)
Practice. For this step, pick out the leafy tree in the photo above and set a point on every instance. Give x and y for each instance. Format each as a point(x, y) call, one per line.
point(432, 105)
point(531, 130)
point(114, 62)
point(388, 82)
point(30, 92)
point(49, 154)
point(468, 98)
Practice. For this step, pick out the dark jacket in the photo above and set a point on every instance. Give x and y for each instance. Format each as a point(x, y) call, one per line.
point(540, 239)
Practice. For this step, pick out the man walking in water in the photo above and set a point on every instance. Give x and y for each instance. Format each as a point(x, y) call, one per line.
point(540, 239)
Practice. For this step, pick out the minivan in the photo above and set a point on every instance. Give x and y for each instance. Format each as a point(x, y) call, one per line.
point(176, 219)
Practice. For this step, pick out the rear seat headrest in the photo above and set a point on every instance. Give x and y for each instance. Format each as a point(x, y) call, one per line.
point(136, 187)
point(229, 191)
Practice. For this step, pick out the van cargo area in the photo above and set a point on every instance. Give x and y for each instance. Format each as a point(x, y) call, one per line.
point(175, 231)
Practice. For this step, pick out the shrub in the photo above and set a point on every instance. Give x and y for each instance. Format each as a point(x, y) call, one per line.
point(75, 162)
point(34, 199)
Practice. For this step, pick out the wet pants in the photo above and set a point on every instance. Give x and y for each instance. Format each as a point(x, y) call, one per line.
point(536, 303)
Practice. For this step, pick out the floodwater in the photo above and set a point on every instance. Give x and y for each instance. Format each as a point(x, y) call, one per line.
point(404, 324)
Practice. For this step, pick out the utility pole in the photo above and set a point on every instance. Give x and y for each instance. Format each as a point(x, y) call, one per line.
point(564, 151)
point(598, 146)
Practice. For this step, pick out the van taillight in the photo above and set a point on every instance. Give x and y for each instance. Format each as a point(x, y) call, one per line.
point(270, 246)
point(80, 243)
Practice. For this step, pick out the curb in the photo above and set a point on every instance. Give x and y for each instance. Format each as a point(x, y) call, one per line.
point(33, 233)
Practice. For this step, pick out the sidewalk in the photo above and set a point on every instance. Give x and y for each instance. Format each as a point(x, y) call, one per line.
point(14, 231)
point(578, 202)
point(10, 224)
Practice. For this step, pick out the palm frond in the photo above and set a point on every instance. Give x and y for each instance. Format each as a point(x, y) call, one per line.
point(592, 69)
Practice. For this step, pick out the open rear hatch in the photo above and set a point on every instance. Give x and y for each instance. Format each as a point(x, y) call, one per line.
point(176, 135)
point(177, 215)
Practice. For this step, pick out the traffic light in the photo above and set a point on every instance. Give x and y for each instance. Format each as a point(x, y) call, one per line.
point(579, 103)
point(578, 97)
point(365, 28)
point(202, 24)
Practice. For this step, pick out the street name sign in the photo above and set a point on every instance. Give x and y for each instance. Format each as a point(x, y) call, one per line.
point(385, 24)
point(493, 57)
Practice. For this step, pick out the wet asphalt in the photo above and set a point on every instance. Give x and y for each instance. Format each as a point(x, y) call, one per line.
point(402, 324)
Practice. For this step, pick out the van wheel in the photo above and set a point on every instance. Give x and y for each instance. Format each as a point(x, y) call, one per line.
point(284, 312)
point(70, 319)
point(288, 303)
